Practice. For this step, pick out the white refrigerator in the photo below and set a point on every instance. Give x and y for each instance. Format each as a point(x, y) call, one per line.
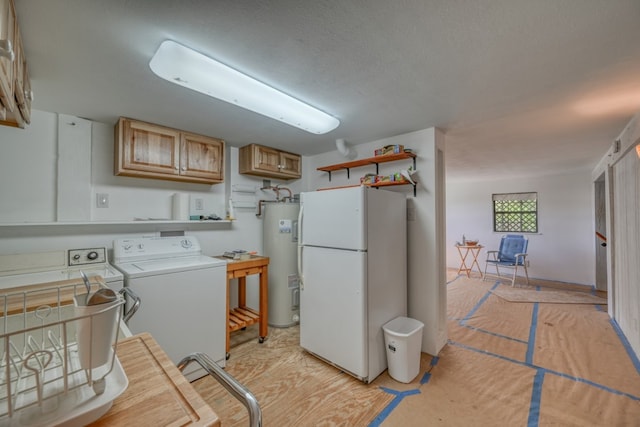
point(353, 275)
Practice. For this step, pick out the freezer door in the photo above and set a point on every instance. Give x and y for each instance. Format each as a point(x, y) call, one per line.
point(334, 218)
point(332, 307)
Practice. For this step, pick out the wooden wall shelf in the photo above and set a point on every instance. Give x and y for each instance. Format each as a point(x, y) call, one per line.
point(373, 161)
point(369, 161)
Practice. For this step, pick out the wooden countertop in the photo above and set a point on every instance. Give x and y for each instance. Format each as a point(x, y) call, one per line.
point(158, 394)
point(253, 261)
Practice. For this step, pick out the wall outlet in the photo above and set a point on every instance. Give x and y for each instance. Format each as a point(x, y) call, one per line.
point(199, 204)
point(102, 200)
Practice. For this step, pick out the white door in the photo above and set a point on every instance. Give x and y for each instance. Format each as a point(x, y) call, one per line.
point(332, 307)
point(334, 218)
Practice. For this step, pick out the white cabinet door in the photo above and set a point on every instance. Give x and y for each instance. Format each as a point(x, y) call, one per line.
point(333, 299)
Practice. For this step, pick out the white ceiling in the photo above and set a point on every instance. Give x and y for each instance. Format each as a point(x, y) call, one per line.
point(520, 87)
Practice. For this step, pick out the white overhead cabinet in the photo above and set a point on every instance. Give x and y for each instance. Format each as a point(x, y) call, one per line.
point(146, 150)
point(15, 86)
point(268, 162)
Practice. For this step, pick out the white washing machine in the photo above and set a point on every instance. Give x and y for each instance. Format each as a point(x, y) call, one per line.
point(183, 296)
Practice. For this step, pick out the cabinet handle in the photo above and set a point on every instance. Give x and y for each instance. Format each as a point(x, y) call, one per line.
point(177, 168)
point(28, 94)
point(6, 50)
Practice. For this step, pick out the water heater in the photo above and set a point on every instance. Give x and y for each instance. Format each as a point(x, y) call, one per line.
point(280, 241)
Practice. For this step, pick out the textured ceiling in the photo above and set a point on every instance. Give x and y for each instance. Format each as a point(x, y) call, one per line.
point(520, 87)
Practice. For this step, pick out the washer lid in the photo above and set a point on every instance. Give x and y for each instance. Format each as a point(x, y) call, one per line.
point(169, 265)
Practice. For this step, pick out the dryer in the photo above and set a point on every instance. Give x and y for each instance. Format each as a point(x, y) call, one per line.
point(183, 294)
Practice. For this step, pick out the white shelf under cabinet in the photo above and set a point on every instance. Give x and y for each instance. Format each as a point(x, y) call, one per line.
point(111, 223)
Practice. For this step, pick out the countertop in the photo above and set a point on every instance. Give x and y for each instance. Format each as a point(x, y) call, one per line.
point(158, 394)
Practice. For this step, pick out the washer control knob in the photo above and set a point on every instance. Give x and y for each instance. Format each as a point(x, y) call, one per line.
point(92, 255)
point(140, 246)
point(186, 243)
point(76, 257)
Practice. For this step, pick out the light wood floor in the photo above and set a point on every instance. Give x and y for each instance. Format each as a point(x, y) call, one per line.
point(516, 364)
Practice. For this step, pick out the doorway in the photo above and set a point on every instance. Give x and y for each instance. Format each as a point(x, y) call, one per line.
point(601, 232)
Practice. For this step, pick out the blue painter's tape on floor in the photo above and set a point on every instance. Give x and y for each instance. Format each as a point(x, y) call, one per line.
point(425, 378)
point(484, 331)
point(547, 371)
point(392, 405)
point(478, 305)
point(625, 343)
point(532, 334)
point(536, 396)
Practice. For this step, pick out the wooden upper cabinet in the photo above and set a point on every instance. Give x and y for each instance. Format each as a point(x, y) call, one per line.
point(7, 54)
point(290, 164)
point(268, 162)
point(201, 157)
point(15, 86)
point(23, 94)
point(146, 150)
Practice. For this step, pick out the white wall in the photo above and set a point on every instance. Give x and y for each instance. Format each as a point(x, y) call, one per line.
point(562, 250)
point(621, 165)
point(29, 190)
point(425, 227)
point(28, 170)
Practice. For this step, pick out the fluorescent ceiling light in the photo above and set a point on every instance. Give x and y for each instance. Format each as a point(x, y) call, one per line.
point(185, 67)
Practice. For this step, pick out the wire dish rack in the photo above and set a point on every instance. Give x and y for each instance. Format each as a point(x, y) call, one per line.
point(59, 363)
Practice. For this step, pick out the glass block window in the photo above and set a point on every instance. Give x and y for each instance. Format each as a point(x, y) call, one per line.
point(515, 212)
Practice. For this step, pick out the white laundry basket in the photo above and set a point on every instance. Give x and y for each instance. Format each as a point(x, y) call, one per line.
point(403, 341)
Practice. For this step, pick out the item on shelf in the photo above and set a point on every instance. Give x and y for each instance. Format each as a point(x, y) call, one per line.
point(238, 254)
point(389, 149)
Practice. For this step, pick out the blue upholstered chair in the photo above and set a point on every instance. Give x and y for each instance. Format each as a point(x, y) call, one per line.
point(512, 254)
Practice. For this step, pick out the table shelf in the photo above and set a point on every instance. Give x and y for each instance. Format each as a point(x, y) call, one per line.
point(243, 316)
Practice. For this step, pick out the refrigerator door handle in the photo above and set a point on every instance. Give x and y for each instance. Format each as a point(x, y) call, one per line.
point(300, 277)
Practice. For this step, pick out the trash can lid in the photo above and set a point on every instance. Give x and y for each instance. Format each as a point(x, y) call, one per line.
point(404, 326)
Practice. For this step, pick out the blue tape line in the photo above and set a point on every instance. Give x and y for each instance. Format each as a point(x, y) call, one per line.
point(536, 396)
point(532, 334)
point(546, 371)
point(626, 345)
point(479, 303)
point(435, 360)
point(599, 307)
point(392, 405)
point(484, 331)
point(425, 378)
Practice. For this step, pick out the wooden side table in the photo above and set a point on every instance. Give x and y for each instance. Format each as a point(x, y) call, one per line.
point(464, 251)
point(243, 316)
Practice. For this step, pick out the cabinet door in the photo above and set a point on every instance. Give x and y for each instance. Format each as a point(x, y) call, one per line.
point(149, 148)
point(266, 159)
point(25, 107)
point(18, 79)
point(202, 157)
point(290, 164)
point(7, 36)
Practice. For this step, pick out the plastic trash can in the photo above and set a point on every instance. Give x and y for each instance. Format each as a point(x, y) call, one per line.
point(403, 341)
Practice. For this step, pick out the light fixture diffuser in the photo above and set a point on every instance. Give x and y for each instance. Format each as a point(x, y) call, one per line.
point(188, 68)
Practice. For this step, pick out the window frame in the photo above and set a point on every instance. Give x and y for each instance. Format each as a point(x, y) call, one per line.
point(519, 197)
